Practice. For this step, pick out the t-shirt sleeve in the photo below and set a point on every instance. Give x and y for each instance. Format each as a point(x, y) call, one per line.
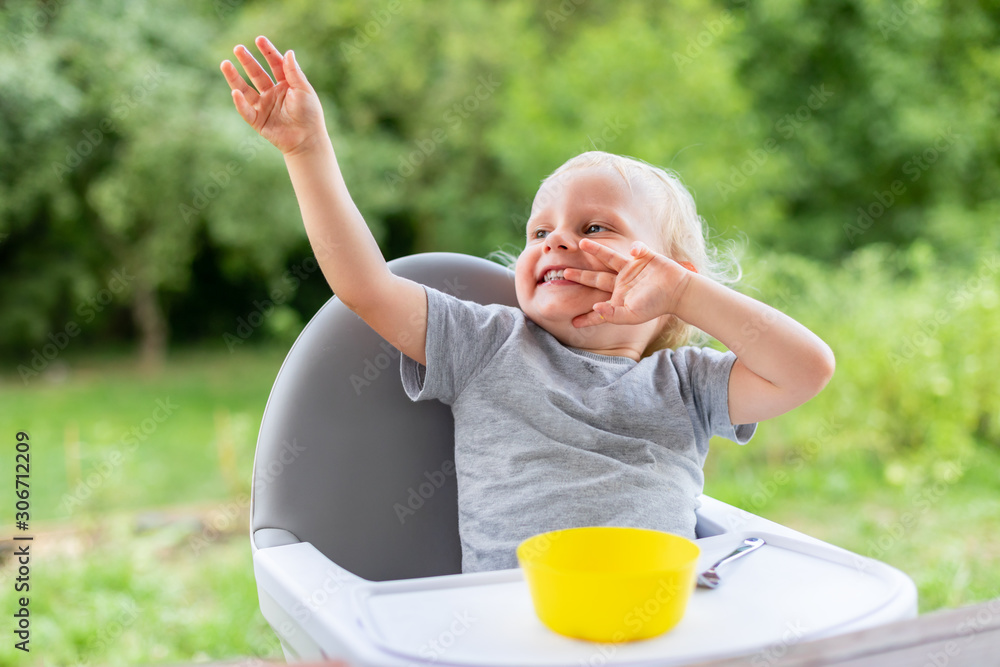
point(704, 377)
point(462, 338)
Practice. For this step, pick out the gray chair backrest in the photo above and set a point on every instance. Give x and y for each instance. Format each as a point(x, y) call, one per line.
point(345, 460)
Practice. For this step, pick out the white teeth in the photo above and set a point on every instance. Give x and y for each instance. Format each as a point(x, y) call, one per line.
point(552, 275)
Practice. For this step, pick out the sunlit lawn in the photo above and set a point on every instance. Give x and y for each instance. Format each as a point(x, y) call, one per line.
point(938, 531)
point(141, 552)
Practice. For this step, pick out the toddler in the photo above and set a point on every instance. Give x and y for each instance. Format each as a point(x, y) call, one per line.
point(573, 409)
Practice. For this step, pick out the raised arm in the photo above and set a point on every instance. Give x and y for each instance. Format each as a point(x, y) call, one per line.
point(287, 112)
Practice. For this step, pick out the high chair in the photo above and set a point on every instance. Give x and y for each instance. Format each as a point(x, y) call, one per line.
point(354, 528)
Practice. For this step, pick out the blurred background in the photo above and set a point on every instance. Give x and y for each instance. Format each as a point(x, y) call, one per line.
point(155, 271)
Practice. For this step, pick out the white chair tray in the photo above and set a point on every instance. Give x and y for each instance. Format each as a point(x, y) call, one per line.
point(787, 592)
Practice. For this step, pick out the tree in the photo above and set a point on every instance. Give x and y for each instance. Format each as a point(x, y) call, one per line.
point(118, 156)
point(904, 146)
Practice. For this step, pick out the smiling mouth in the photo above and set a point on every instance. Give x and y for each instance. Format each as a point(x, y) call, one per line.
point(555, 277)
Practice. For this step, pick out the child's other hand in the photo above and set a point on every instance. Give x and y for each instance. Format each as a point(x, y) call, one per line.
point(643, 285)
point(286, 111)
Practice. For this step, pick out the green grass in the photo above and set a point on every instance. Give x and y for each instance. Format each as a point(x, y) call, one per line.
point(104, 591)
point(113, 582)
point(934, 529)
point(122, 598)
point(106, 437)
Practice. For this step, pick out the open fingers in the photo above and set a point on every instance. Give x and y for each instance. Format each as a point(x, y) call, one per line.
point(609, 257)
point(236, 81)
point(605, 312)
point(590, 319)
point(245, 109)
point(273, 57)
point(293, 71)
point(602, 280)
point(258, 76)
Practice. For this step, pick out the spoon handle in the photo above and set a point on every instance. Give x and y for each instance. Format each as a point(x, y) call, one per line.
point(749, 544)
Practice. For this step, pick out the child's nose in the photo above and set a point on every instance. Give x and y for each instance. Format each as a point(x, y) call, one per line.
point(558, 238)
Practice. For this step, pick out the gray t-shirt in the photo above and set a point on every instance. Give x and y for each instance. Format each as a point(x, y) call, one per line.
point(550, 437)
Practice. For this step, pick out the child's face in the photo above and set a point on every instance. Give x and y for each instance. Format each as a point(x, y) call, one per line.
point(592, 203)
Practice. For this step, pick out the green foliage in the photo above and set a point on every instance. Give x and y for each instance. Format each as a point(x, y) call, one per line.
point(913, 100)
point(815, 129)
point(123, 155)
point(914, 340)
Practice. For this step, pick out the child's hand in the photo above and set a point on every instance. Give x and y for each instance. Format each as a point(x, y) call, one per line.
point(286, 112)
point(643, 286)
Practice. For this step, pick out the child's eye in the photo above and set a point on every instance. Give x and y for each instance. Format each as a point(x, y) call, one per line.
point(590, 229)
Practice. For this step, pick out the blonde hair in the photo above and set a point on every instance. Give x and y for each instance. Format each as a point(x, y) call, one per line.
point(683, 233)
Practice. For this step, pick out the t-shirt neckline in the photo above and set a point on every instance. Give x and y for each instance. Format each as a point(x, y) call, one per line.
point(606, 358)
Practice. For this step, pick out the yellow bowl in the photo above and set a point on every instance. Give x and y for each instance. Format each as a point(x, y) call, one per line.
point(609, 584)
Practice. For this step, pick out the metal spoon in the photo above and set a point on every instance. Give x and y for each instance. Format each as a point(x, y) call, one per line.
point(710, 578)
